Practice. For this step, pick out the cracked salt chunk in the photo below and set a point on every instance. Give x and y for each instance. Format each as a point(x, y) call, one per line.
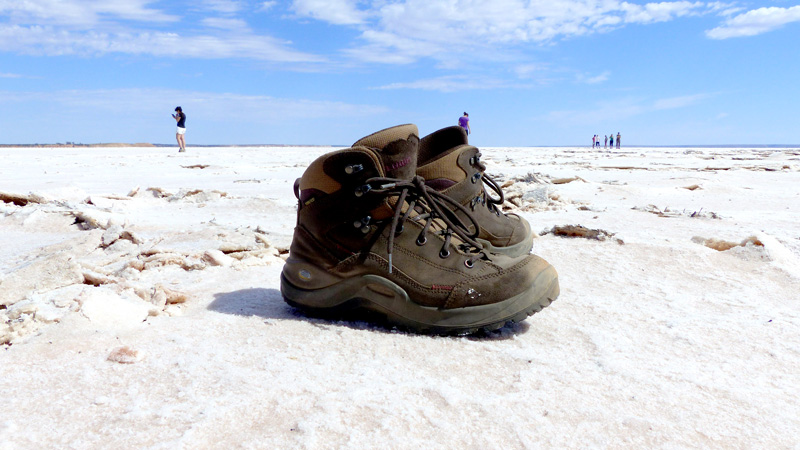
point(217, 258)
point(106, 308)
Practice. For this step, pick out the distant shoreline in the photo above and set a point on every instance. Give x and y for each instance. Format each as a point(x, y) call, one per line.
point(71, 145)
point(150, 145)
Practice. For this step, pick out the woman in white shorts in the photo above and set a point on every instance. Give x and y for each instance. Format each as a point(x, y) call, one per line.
point(180, 117)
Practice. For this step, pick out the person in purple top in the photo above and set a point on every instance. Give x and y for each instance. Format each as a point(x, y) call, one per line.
point(463, 122)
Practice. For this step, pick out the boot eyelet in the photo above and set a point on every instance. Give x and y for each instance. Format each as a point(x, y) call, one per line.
point(363, 190)
point(476, 177)
point(444, 253)
point(399, 230)
point(469, 264)
point(354, 168)
point(422, 240)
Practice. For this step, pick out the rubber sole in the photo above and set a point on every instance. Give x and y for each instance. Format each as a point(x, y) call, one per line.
point(379, 295)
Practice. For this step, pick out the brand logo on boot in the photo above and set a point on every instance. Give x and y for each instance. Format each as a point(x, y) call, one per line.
point(398, 164)
point(304, 275)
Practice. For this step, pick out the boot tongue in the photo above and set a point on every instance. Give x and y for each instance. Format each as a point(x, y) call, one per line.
point(439, 143)
point(397, 148)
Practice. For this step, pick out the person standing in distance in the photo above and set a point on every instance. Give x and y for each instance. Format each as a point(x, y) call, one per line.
point(463, 122)
point(180, 117)
point(619, 138)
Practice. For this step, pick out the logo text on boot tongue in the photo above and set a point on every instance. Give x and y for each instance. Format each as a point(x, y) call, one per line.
point(397, 164)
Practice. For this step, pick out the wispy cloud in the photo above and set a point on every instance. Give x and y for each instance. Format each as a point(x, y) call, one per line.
point(222, 6)
point(625, 108)
point(404, 31)
point(755, 22)
point(525, 71)
point(454, 83)
point(47, 40)
point(226, 24)
point(451, 33)
point(80, 13)
point(596, 79)
point(661, 12)
point(337, 12)
point(204, 105)
point(97, 28)
point(678, 102)
point(266, 6)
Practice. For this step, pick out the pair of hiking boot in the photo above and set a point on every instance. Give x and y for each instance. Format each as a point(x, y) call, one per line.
point(404, 228)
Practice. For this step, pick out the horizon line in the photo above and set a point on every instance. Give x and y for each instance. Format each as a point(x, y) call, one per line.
point(159, 145)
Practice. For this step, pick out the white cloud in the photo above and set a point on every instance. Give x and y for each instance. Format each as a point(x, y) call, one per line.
point(226, 24)
point(338, 12)
point(387, 47)
point(678, 102)
point(624, 108)
point(452, 83)
point(527, 70)
point(593, 116)
point(201, 105)
point(660, 12)
point(10, 75)
point(46, 40)
point(222, 6)
point(405, 31)
point(80, 13)
point(452, 33)
point(100, 27)
point(266, 6)
point(754, 22)
point(724, 9)
point(594, 79)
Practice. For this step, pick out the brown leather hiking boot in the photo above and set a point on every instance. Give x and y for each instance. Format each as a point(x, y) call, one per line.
point(372, 235)
point(453, 167)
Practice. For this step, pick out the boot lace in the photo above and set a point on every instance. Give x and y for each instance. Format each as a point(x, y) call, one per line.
point(427, 205)
point(484, 197)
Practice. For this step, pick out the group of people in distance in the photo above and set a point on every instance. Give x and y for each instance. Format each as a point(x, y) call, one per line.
point(463, 122)
point(608, 141)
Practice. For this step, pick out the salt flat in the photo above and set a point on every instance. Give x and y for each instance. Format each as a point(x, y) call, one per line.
point(141, 309)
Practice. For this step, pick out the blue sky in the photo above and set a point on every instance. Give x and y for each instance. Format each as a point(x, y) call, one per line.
point(529, 73)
